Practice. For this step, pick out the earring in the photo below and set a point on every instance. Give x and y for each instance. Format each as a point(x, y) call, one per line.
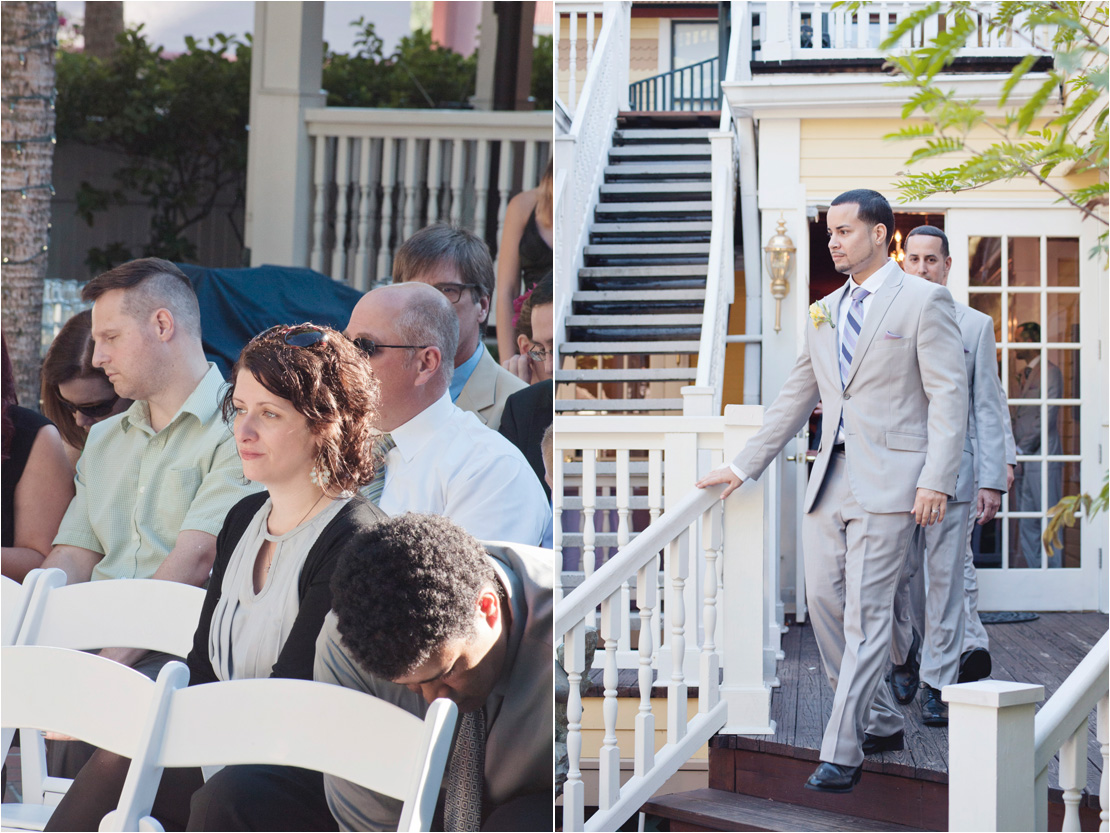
point(320, 476)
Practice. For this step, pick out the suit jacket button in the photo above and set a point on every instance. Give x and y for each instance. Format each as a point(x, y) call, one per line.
point(847, 396)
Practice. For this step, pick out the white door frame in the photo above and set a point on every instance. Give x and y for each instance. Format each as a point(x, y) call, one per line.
point(1052, 589)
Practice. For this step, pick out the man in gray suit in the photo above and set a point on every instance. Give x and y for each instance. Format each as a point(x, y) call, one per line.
point(939, 615)
point(884, 358)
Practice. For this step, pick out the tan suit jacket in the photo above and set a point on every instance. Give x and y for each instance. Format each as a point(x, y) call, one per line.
point(486, 390)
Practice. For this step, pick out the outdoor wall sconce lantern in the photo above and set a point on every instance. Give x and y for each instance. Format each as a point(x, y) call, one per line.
point(780, 267)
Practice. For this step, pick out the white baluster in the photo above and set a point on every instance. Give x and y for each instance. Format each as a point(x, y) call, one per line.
point(609, 756)
point(589, 504)
point(863, 27)
point(655, 507)
point(320, 205)
point(572, 39)
point(458, 162)
point(531, 160)
point(678, 567)
point(556, 32)
point(557, 520)
point(388, 176)
point(795, 34)
point(1073, 775)
point(623, 501)
point(647, 594)
point(342, 183)
point(590, 18)
point(884, 23)
point(412, 185)
point(504, 183)
point(367, 195)
point(708, 677)
point(574, 663)
point(435, 181)
point(818, 22)
point(481, 187)
point(1102, 725)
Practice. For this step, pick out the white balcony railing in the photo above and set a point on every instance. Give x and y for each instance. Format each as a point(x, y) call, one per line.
point(706, 625)
point(999, 751)
point(815, 30)
point(379, 175)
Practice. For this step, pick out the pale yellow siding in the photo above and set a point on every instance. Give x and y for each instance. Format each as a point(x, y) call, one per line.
point(840, 154)
point(593, 726)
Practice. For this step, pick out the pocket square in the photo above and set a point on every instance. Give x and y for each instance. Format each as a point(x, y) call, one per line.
point(966, 350)
point(890, 335)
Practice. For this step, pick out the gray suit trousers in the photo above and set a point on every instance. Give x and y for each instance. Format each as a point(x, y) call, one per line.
point(853, 559)
point(939, 549)
point(975, 635)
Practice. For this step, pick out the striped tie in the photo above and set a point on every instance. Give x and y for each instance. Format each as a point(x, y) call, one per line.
point(373, 490)
point(850, 337)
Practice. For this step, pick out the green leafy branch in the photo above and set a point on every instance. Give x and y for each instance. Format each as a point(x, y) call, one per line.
point(1069, 510)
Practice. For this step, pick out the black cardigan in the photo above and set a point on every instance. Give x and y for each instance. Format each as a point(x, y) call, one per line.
point(345, 532)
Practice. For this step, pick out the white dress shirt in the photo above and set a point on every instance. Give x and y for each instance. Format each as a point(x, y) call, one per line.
point(447, 463)
point(872, 284)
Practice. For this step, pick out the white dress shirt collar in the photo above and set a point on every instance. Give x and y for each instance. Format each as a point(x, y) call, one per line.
point(413, 435)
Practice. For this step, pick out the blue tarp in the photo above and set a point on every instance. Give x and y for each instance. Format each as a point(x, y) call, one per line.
point(238, 304)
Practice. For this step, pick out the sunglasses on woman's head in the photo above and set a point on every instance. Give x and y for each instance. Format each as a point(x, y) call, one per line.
point(93, 410)
point(301, 335)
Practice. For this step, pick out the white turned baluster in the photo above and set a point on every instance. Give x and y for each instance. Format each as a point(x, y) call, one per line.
point(1073, 775)
point(365, 200)
point(884, 23)
point(647, 578)
point(435, 181)
point(412, 185)
point(574, 663)
point(556, 32)
point(795, 34)
point(1102, 725)
point(320, 205)
point(708, 678)
point(388, 175)
point(557, 520)
point(589, 504)
point(863, 26)
point(609, 757)
point(591, 17)
point(458, 162)
point(504, 183)
point(342, 189)
point(531, 175)
point(818, 23)
point(678, 552)
point(623, 501)
point(572, 39)
point(655, 507)
point(481, 187)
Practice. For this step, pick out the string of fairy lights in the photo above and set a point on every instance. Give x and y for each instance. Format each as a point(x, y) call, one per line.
point(24, 45)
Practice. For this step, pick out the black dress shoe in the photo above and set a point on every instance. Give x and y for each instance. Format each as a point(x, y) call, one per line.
point(833, 778)
point(903, 678)
point(934, 711)
point(873, 744)
point(974, 665)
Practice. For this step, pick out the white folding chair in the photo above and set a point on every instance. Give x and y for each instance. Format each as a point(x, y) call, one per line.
point(85, 696)
point(299, 723)
point(13, 605)
point(136, 613)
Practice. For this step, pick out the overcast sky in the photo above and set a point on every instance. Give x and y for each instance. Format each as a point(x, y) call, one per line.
point(169, 21)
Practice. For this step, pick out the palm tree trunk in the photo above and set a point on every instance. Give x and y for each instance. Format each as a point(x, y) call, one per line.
point(26, 164)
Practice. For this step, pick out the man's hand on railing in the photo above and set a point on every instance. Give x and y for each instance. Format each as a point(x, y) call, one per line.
point(722, 475)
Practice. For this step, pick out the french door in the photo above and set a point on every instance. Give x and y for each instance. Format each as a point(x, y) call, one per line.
point(1030, 272)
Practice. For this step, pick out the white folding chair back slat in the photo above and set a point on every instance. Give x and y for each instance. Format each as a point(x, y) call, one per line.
point(134, 613)
point(13, 604)
point(300, 723)
point(85, 696)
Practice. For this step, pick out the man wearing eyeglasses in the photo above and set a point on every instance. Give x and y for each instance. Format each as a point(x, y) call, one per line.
point(458, 264)
point(438, 458)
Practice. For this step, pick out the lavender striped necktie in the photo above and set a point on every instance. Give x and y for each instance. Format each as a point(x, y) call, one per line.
point(381, 448)
point(852, 328)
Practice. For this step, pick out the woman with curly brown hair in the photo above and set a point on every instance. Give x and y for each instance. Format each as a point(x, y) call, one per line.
point(303, 405)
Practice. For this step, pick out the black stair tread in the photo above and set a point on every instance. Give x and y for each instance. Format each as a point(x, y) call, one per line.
point(720, 810)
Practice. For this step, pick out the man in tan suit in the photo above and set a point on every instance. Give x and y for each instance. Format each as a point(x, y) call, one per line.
point(458, 264)
point(885, 359)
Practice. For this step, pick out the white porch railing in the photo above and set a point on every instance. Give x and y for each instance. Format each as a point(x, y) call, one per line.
point(582, 153)
point(710, 615)
point(999, 752)
point(379, 175)
point(814, 30)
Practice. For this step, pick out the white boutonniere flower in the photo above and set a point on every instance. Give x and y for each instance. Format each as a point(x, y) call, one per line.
point(819, 314)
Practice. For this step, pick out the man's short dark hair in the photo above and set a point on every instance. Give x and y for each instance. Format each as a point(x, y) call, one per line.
point(873, 209)
point(442, 243)
point(150, 283)
point(931, 231)
point(409, 589)
point(1031, 331)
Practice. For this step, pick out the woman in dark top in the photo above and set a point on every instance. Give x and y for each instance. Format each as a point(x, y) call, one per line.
point(36, 482)
point(523, 257)
point(303, 407)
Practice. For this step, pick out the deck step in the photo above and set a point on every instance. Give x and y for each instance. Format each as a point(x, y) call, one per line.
point(668, 152)
point(572, 405)
point(650, 296)
point(632, 374)
point(660, 170)
point(687, 134)
point(684, 208)
point(651, 320)
point(676, 270)
point(647, 249)
point(719, 810)
point(605, 348)
point(668, 189)
point(693, 227)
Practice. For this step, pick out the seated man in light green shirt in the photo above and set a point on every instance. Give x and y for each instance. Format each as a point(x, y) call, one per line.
point(155, 482)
